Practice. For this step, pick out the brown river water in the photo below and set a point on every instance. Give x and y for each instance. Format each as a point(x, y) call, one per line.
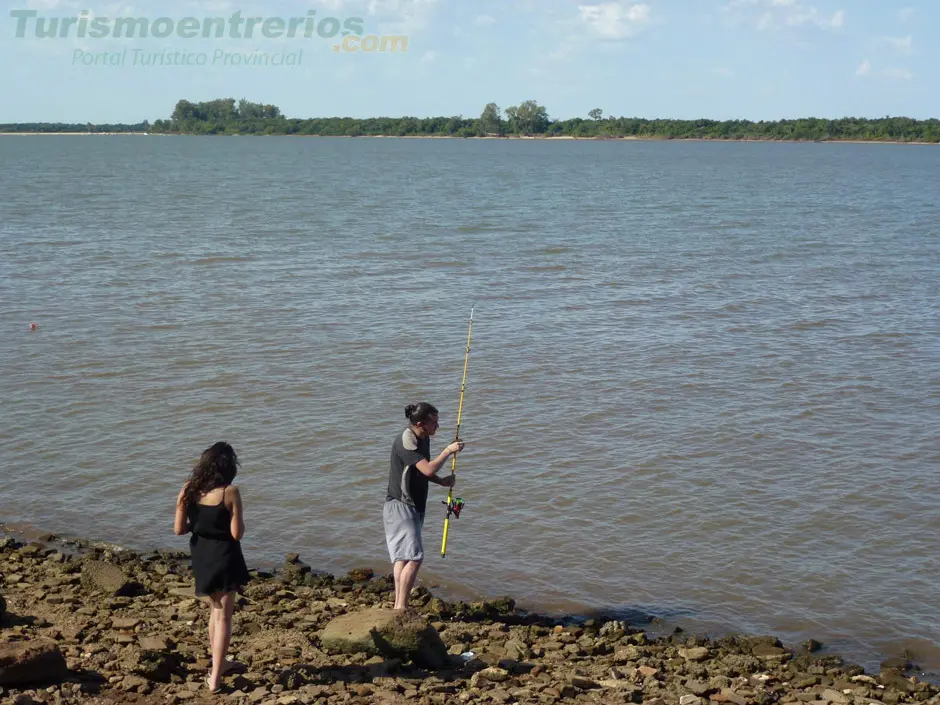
point(704, 382)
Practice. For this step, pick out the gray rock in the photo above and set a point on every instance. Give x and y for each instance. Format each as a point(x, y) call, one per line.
point(698, 653)
point(697, 687)
point(582, 683)
point(98, 576)
point(385, 632)
point(732, 697)
point(515, 649)
point(834, 696)
point(152, 665)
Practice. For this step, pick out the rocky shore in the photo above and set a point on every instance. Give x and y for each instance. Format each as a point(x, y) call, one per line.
point(84, 624)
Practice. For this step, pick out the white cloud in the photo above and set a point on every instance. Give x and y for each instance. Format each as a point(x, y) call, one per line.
point(902, 45)
point(901, 74)
point(402, 16)
point(215, 5)
point(779, 14)
point(722, 71)
point(430, 56)
point(44, 4)
point(906, 15)
point(615, 20)
point(896, 74)
point(483, 20)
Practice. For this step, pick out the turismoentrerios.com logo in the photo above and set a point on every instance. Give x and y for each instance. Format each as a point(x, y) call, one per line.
point(86, 25)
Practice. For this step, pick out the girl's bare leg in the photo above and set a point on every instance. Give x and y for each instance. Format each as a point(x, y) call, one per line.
point(223, 606)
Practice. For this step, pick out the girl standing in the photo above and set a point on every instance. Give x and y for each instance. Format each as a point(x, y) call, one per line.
point(210, 506)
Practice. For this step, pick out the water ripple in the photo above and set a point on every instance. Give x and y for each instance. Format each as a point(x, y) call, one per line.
point(705, 385)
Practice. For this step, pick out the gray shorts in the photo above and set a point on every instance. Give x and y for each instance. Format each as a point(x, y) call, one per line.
point(403, 526)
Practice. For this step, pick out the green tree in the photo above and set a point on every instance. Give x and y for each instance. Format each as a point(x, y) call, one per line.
point(491, 121)
point(225, 116)
point(529, 118)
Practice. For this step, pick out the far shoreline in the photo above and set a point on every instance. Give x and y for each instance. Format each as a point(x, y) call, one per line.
point(537, 138)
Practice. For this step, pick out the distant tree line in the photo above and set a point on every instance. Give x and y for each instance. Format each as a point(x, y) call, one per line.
point(226, 116)
point(73, 127)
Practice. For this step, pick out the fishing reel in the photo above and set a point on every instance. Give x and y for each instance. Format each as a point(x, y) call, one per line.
point(454, 505)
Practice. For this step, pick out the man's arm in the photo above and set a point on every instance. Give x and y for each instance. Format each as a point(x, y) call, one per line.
point(446, 481)
point(429, 469)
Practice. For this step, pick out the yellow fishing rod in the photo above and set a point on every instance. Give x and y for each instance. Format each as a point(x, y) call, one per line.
point(454, 505)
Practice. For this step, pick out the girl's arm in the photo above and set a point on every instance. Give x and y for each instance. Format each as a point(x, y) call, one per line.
point(238, 522)
point(181, 524)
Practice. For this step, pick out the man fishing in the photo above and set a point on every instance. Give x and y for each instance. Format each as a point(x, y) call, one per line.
point(411, 470)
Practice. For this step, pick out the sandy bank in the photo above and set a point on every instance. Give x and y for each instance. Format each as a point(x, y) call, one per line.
point(82, 134)
point(537, 138)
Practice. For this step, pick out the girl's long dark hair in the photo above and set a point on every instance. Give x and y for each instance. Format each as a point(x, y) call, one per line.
point(217, 467)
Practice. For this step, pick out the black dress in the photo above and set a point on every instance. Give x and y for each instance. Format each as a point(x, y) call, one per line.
point(217, 560)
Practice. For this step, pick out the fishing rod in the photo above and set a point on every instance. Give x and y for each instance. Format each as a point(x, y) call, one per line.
point(455, 504)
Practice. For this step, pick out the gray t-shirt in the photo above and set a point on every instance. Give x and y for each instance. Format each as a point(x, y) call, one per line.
point(405, 482)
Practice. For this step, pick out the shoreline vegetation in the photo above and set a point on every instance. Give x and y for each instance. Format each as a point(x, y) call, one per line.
point(89, 622)
point(528, 120)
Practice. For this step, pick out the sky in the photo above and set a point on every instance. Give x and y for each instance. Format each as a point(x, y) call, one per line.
point(683, 59)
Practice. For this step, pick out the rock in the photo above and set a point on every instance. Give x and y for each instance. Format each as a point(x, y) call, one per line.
point(697, 687)
point(627, 654)
point(516, 650)
point(98, 576)
point(698, 653)
point(892, 678)
point(3, 608)
point(33, 661)
point(765, 651)
point(134, 683)
point(294, 570)
point(501, 606)
point(155, 643)
point(360, 575)
point(690, 700)
point(183, 591)
point(491, 675)
point(614, 629)
point(386, 632)
point(152, 665)
point(896, 662)
point(582, 683)
point(730, 696)
point(124, 623)
point(494, 674)
point(834, 696)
